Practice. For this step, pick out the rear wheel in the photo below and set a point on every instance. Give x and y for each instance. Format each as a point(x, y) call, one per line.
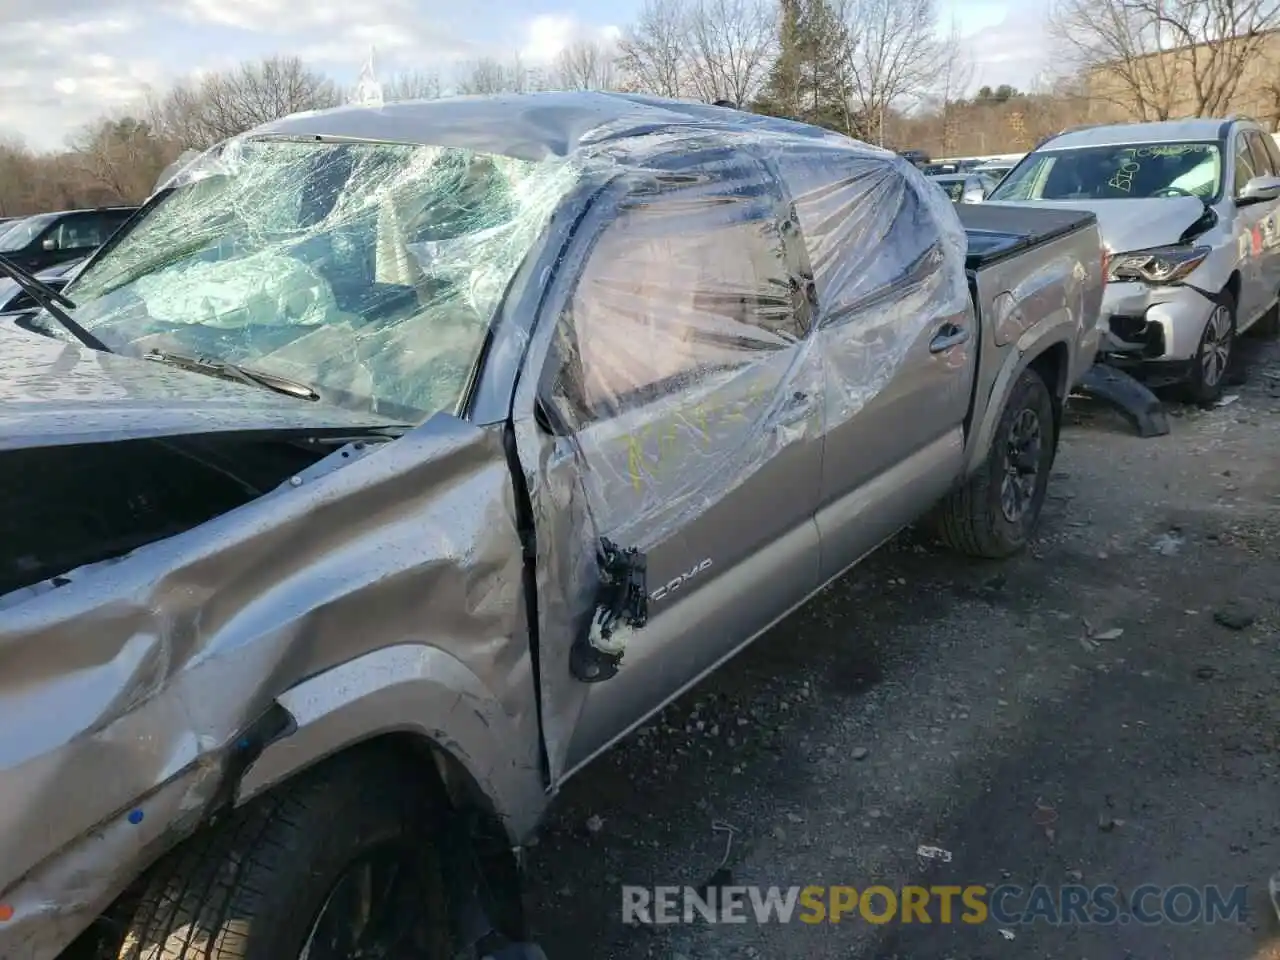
point(335, 866)
point(995, 512)
point(1208, 374)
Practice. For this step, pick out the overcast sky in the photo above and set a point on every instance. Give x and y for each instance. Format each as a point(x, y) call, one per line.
point(65, 62)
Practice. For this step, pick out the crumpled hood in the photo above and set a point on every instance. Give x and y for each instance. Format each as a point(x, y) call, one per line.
point(53, 393)
point(1132, 224)
point(129, 686)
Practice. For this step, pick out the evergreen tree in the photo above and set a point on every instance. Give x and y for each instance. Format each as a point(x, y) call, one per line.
point(807, 81)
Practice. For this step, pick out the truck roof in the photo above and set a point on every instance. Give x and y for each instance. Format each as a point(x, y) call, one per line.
point(537, 126)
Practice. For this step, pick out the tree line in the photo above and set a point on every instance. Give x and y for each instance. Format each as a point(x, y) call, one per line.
point(884, 71)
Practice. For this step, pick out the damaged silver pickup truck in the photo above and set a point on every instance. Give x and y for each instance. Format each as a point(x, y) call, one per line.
point(397, 461)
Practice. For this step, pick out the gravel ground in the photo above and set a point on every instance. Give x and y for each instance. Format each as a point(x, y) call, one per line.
point(1077, 714)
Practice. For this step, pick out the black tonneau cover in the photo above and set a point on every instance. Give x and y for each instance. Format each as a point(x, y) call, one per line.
point(996, 231)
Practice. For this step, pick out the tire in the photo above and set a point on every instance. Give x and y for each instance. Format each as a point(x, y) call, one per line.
point(972, 520)
point(1208, 374)
point(254, 886)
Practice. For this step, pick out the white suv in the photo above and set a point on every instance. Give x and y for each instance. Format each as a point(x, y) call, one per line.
point(1189, 214)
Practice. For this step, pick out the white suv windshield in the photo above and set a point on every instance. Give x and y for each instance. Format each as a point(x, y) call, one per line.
point(1117, 173)
point(367, 271)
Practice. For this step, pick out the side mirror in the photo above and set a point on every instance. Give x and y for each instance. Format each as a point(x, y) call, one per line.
point(1259, 190)
point(49, 243)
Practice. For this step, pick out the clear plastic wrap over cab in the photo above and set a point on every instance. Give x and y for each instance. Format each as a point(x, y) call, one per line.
point(705, 332)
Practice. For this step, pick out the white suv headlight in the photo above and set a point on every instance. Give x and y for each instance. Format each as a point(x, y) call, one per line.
point(1159, 265)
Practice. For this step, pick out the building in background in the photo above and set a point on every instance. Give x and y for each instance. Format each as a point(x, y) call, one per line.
point(1219, 78)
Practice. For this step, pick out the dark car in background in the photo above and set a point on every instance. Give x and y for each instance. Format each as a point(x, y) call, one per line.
point(48, 239)
point(963, 187)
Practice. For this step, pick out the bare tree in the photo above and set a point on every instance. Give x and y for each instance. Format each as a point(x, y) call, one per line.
point(222, 105)
point(585, 65)
point(488, 75)
point(893, 55)
point(523, 78)
point(955, 74)
point(33, 182)
point(729, 49)
point(955, 67)
point(412, 85)
point(123, 157)
point(1269, 100)
point(1156, 59)
point(653, 54)
point(18, 168)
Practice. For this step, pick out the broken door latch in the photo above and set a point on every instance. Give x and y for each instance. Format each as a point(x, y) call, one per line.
point(622, 605)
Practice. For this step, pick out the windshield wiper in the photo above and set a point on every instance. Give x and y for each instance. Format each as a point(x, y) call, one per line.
point(230, 371)
point(52, 302)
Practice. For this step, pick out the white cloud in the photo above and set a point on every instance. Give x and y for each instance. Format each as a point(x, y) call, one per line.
point(1006, 43)
point(548, 35)
point(62, 74)
point(63, 63)
point(274, 16)
point(70, 62)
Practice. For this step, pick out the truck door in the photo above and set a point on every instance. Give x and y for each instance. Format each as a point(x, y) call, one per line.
point(898, 343)
point(680, 418)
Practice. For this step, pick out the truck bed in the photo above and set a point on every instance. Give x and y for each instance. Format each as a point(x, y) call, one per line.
point(997, 232)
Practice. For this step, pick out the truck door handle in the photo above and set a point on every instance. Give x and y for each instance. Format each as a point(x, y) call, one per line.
point(946, 338)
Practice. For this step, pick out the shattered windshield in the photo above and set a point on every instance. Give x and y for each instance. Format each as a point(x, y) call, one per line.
point(1117, 172)
point(367, 271)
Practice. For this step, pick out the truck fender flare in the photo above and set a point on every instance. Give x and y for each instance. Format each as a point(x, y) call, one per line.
point(1033, 343)
point(416, 689)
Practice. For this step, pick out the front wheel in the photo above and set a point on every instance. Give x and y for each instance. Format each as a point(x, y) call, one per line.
point(334, 866)
point(994, 513)
point(1208, 374)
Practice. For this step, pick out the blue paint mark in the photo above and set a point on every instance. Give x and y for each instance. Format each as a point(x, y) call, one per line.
point(135, 816)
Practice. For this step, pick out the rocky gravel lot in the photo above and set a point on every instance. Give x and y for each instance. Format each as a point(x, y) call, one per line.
point(1102, 709)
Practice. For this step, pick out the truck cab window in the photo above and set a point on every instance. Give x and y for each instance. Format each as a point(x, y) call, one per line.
point(668, 296)
point(673, 350)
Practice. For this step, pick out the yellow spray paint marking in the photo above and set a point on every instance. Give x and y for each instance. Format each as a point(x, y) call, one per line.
point(646, 464)
point(1171, 149)
point(635, 461)
point(1123, 179)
